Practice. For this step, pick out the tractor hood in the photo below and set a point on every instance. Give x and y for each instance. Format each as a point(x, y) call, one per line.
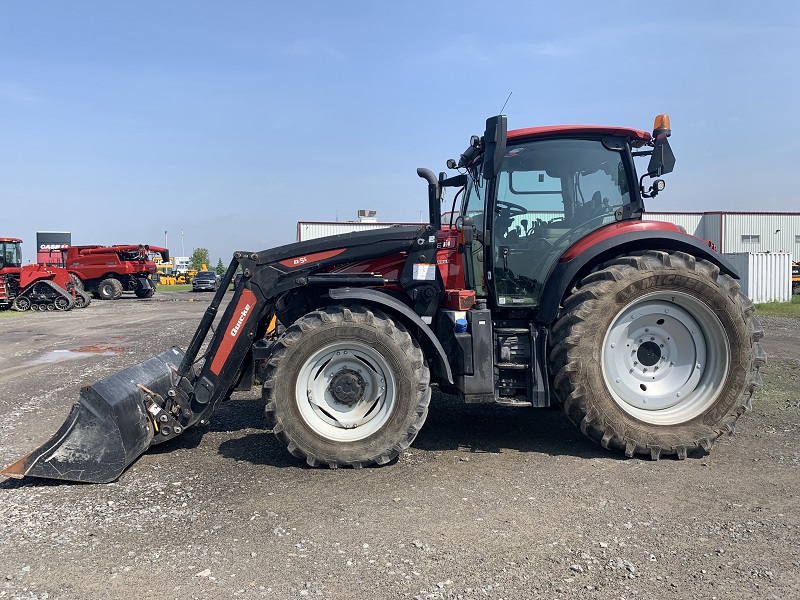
point(344, 247)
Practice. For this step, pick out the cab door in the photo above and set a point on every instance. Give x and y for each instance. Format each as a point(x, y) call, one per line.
point(549, 194)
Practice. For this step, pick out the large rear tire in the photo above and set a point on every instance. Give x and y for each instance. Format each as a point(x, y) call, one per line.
point(77, 281)
point(346, 386)
point(656, 354)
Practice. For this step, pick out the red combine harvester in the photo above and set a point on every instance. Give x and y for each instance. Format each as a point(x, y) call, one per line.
point(548, 287)
point(107, 271)
point(35, 287)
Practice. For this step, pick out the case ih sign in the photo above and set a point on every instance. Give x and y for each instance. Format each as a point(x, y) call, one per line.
point(49, 245)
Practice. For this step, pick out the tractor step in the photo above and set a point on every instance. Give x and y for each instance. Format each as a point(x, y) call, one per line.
point(513, 402)
point(512, 330)
point(509, 365)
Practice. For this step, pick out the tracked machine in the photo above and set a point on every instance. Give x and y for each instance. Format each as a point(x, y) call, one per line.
point(35, 287)
point(548, 287)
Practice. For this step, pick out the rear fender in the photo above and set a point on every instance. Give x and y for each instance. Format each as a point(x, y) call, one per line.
point(439, 362)
point(579, 263)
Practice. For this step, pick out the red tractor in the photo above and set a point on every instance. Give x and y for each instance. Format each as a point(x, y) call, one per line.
point(547, 288)
point(107, 271)
point(34, 287)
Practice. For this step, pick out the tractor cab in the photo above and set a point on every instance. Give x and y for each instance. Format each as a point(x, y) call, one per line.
point(10, 253)
point(535, 192)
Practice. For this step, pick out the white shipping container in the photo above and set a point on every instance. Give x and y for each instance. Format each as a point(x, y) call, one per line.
point(764, 276)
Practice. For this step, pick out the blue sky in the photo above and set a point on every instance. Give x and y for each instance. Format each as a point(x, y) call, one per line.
point(234, 120)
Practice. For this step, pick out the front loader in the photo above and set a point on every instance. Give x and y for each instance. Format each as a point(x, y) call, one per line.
point(548, 287)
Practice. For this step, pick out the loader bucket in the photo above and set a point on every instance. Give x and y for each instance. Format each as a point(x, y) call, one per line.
point(107, 430)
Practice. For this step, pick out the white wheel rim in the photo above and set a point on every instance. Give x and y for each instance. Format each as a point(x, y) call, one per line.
point(346, 391)
point(664, 358)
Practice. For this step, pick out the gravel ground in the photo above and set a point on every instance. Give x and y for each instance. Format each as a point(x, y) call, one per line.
point(489, 502)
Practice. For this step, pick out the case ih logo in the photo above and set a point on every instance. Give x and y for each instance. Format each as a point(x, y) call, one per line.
point(52, 246)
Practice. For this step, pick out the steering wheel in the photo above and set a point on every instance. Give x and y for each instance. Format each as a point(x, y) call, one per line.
point(512, 209)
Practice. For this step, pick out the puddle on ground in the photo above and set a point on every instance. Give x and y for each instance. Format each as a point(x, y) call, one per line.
point(98, 349)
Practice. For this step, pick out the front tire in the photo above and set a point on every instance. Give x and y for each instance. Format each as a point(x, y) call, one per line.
point(656, 354)
point(109, 289)
point(346, 386)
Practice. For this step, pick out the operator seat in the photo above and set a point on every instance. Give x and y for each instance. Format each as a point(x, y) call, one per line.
point(593, 208)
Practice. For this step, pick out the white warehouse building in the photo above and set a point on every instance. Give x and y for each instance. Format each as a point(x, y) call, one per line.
point(734, 232)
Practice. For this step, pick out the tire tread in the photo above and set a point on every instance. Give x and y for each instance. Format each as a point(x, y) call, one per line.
point(348, 314)
point(578, 312)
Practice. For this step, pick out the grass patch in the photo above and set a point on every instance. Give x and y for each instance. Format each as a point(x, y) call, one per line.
point(780, 309)
point(8, 314)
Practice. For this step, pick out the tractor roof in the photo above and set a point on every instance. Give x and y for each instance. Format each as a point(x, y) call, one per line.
point(9, 239)
point(569, 130)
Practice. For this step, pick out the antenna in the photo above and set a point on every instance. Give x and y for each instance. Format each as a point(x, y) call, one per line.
point(506, 102)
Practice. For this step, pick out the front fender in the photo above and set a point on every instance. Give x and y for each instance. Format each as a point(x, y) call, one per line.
point(440, 364)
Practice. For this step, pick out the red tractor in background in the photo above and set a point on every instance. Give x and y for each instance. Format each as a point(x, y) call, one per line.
point(35, 287)
point(107, 271)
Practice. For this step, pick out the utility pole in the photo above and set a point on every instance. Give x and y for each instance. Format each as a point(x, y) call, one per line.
point(183, 250)
point(165, 239)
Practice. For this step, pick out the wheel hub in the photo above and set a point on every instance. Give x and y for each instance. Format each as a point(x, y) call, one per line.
point(347, 387)
point(345, 391)
point(649, 353)
point(662, 357)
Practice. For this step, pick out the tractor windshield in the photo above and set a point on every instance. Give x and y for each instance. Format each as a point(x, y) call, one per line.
point(550, 193)
point(10, 255)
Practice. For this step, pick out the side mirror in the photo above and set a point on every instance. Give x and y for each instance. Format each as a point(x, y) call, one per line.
point(466, 226)
point(494, 138)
